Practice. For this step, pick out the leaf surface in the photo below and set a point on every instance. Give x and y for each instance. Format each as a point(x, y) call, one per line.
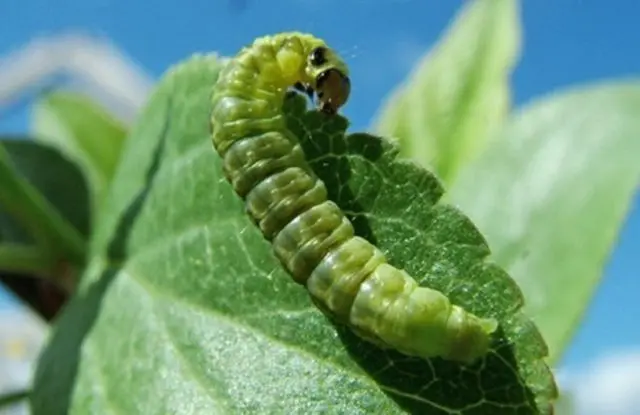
point(184, 309)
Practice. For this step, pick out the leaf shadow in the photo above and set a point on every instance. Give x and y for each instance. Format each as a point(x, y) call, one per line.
point(419, 386)
point(58, 364)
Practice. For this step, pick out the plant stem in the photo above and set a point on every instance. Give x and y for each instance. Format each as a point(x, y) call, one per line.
point(14, 397)
point(43, 221)
point(25, 259)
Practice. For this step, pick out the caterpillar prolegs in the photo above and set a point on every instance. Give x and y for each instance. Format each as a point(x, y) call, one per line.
point(346, 276)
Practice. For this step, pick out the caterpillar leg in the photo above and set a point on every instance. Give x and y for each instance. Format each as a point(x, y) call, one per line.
point(305, 89)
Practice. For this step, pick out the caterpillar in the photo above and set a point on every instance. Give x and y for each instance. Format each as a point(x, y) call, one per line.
point(347, 277)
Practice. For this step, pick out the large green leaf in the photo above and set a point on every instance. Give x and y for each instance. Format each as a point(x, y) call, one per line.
point(184, 309)
point(44, 210)
point(552, 192)
point(85, 132)
point(458, 96)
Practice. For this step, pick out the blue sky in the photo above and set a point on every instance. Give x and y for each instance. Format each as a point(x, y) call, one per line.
point(565, 43)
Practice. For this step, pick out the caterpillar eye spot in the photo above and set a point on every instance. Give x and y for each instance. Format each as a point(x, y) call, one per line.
point(310, 235)
point(318, 56)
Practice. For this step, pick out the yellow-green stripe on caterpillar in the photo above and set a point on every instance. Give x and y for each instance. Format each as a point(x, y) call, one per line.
point(346, 276)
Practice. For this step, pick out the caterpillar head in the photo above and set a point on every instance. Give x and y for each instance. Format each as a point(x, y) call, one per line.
point(328, 77)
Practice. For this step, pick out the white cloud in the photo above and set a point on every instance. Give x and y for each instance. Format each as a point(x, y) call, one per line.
point(94, 65)
point(610, 385)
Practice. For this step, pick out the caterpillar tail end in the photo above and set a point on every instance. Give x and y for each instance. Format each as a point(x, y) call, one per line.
point(474, 341)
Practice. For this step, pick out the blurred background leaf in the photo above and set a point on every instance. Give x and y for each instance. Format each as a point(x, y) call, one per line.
point(85, 132)
point(458, 96)
point(41, 241)
point(551, 194)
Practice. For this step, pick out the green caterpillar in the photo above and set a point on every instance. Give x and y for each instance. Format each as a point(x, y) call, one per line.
point(347, 277)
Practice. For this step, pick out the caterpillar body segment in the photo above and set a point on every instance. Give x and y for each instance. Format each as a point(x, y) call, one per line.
point(347, 276)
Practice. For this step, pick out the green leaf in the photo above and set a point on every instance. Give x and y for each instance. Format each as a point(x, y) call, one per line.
point(85, 132)
point(184, 309)
point(43, 203)
point(551, 194)
point(458, 96)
